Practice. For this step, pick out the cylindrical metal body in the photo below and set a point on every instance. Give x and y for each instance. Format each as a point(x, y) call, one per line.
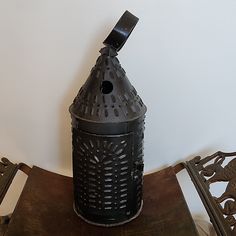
point(107, 126)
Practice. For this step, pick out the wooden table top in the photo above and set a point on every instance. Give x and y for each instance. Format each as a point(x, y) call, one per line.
point(45, 208)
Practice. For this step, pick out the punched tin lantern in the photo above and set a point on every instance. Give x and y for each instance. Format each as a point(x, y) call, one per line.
point(107, 129)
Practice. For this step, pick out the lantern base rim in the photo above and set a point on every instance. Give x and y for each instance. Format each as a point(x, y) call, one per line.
point(112, 224)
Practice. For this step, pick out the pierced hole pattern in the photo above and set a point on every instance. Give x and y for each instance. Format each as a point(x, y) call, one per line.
point(120, 104)
point(104, 171)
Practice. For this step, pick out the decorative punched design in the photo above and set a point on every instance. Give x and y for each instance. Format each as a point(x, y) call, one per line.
point(108, 94)
point(138, 162)
point(206, 173)
point(105, 171)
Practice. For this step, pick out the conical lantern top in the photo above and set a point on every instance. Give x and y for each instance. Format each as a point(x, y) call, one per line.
point(107, 95)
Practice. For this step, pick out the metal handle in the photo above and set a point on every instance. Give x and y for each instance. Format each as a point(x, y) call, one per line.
point(121, 31)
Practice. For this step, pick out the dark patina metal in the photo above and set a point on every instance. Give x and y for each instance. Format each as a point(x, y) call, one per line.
point(107, 126)
point(210, 170)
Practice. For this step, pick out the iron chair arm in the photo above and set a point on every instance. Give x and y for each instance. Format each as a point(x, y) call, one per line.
point(219, 167)
point(8, 171)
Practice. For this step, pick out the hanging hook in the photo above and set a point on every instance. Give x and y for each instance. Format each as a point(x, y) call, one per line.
point(121, 31)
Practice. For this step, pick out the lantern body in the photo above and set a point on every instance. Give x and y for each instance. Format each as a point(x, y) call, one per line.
point(107, 128)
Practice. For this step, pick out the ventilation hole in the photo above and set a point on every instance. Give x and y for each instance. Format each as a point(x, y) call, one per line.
point(92, 167)
point(116, 112)
point(122, 180)
point(122, 156)
point(123, 162)
point(92, 111)
point(123, 190)
point(108, 174)
point(118, 152)
point(108, 185)
point(108, 180)
point(103, 99)
point(124, 173)
point(123, 185)
point(123, 71)
point(124, 168)
point(107, 191)
point(126, 96)
point(107, 203)
point(108, 208)
point(123, 201)
point(140, 102)
point(96, 158)
point(92, 161)
point(85, 145)
point(108, 168)
point(92, 196)
point(107, 162)
point(108, 197)
point(93, 174)
point(91, 143)
point(134, 91)
point(106, 113)
point(106, 87)
point(98, 112)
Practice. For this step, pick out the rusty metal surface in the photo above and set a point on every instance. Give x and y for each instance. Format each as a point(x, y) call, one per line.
point(45, 208)
point(208, 171)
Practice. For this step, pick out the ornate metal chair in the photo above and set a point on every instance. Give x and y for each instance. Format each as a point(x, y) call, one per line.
point(45, 205)
point(208, 171)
